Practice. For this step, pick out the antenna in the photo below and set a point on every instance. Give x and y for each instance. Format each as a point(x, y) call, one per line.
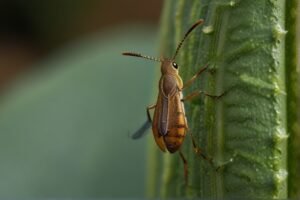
point(200, 21)
point(141, 56)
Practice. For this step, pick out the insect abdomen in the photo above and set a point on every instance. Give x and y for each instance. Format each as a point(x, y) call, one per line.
point(176, 134)
point(177, 124)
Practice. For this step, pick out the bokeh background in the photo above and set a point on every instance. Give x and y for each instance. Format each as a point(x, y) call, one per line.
point(69, 100)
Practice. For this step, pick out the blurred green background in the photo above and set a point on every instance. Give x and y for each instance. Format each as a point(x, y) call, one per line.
point(69, 99)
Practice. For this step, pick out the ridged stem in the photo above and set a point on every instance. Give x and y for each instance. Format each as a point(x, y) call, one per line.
point(245, 131)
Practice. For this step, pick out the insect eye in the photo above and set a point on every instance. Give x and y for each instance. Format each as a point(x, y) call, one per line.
point(175, 65)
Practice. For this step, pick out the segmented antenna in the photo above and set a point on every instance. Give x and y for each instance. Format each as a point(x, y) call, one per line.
point(185, 36)
point(141, 56)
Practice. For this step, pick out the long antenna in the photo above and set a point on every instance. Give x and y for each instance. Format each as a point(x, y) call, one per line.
point(141, 56)
point(200, 21)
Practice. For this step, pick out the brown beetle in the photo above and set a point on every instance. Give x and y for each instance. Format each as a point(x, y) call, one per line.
point(169, 122)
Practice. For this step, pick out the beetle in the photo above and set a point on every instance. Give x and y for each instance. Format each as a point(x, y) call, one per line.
point(169, 123)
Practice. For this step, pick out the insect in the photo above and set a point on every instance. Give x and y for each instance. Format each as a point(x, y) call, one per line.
point(169, 123)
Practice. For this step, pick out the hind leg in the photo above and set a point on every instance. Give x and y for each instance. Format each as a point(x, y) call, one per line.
point(199, 152)
point(185, 167)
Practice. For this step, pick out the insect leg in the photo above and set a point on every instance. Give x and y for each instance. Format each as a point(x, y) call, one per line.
point(199, 92)
point(213, 96)
point(147, 124)
point(185, 167)
point(199, 152)
point(189, 82)
point(148, 112)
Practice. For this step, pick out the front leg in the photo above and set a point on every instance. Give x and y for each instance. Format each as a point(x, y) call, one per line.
point(189, 82)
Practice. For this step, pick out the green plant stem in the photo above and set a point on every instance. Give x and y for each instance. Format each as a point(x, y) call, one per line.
point(245, 131)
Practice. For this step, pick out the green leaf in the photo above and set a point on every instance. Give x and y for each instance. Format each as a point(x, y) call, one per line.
point(246, 131)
